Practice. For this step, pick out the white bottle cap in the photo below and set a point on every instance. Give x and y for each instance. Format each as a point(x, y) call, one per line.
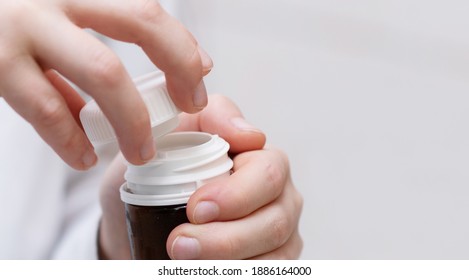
point(184, 162)
point(162, 111)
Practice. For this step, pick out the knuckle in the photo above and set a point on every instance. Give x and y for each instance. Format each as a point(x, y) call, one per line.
point(298, 200)
point(10, 55)
point(106, 68)
point(296, 253)
point(229, 247)
point(187, 62)
point(279, 228)
point(50, 112)
point(274, 173)
point(295, 246)
point(282, 157)
point(52, 115)
point(191, 60)
point(19, 9)
point(137, 124)
point(147, 10)
point(292, 249)
point(72, 143)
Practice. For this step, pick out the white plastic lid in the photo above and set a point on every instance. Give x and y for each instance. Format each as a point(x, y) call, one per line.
point(161, 109)
point(184, 161)
point(183, 157)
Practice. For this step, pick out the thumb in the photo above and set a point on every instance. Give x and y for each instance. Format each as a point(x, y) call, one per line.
point(224, 118)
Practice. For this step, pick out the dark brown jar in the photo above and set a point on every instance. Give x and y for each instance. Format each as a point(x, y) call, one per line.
point(149, 228)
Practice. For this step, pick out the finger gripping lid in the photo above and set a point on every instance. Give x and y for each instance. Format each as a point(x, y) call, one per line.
point(161, 110)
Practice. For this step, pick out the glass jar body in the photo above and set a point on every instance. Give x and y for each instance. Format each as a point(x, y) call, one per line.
point(149, 227)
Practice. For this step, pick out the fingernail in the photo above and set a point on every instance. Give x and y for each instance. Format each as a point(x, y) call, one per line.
point(199, 99)
point(242, 124)
point(147, 151)
point(185, 248)
point(89, 159)
point(207, 63)
point(206, 211)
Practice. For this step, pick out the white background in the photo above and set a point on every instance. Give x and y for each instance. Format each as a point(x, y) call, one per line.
point(370, 100)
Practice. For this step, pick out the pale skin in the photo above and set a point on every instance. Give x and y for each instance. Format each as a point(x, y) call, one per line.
point(252, 214)
point(39, 38)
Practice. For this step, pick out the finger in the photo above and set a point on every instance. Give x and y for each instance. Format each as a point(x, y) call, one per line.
point(29, 92)
point(258, 179)
point(224, 118)
point(165, 40)
point(92, 66)
point(263, 231)
point(291, 250)
point(74, 101)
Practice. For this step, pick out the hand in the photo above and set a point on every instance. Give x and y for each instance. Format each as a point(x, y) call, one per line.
point(253, 213)
point(41, 39)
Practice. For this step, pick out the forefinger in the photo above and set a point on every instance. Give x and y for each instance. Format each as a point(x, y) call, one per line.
point(164, 39)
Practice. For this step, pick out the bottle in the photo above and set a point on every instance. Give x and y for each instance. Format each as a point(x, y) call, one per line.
point(155, 194)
